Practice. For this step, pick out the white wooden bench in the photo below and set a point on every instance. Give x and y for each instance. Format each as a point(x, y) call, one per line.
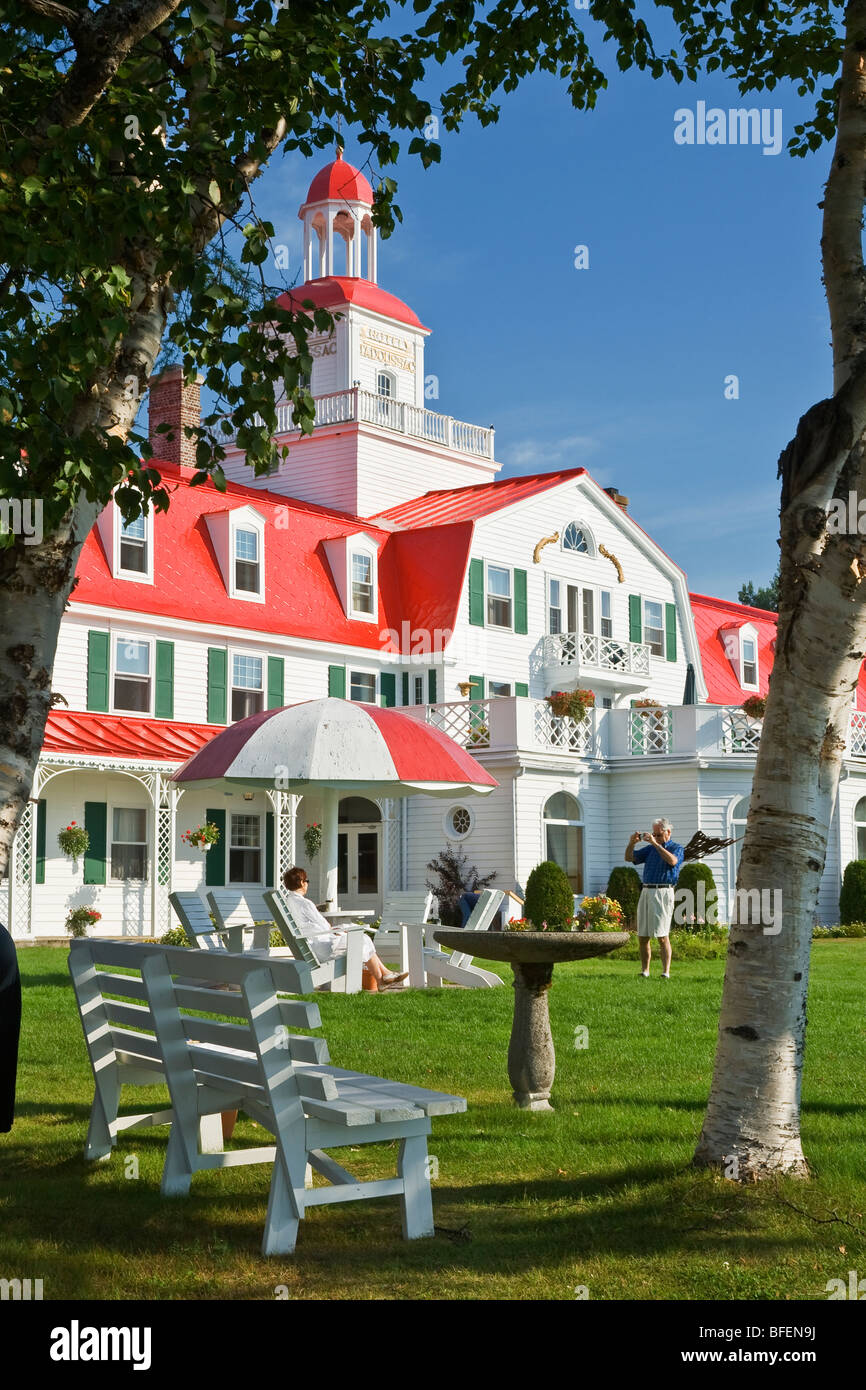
point(119, 1034)
point(340, 975)
point(282, 1081)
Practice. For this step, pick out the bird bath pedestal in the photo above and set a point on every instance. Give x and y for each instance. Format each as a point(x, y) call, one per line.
point(532, 956)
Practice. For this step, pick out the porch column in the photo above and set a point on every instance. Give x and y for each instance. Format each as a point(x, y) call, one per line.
point(330, 807)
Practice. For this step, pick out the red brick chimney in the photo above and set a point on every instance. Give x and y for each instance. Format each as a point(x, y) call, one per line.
point(618, 498)
point(170, 402)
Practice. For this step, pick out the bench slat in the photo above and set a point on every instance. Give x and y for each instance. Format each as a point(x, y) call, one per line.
point(220, 967)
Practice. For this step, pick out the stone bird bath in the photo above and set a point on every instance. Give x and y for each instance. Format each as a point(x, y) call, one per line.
point(532, 956)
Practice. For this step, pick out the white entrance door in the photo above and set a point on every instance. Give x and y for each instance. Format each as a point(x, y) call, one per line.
point(359, 857)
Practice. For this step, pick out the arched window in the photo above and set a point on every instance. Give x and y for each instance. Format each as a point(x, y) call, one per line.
point(563, 836)
point(860, 829)
point(578, 539)
point(385, 384)
point(739, 814)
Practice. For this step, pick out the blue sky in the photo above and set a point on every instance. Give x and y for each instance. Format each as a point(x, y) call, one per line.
point(703, 262)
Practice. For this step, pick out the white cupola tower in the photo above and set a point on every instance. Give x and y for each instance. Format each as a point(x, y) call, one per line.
point(339, 236)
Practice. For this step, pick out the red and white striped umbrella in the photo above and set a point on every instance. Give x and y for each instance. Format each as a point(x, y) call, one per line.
point(338, 744)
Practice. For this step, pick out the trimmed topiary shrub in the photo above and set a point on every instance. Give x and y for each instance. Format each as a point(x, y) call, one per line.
point(549, 896)
point(690, 876)
point(624, 886)
point(852, 899)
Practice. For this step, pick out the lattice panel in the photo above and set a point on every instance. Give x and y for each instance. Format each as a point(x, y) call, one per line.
point(740, 734)
point(164, 817)
point(20, 875)
point(650, 733)
point(573, 736)
point(857, 734)
point(467, 722)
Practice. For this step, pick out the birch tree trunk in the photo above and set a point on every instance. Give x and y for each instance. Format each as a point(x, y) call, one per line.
point(753, 1114)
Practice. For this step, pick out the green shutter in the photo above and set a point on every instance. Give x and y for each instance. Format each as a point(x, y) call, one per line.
point(337, 682)
point(97, 671)
point(164, 703)
point(276, 684)
point(270, 845)
point(41, 818)
point(476, 593)
point(215, 859)
point(521, 609)
point(96, 825)
point(217, 685)
point(405, 687)
point(431, 687)
point(388, 689)
point(520, 688)
point(477, 683)
point(671, 631)
point(635, 618)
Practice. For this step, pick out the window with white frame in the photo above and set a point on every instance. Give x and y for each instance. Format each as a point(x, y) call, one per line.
point(554, 606)
point(502, 688)
point(418, 690)
point(577, 539)
point(563, 836)
point(363, 598)
point(362, 687)
point(605, 610)
point(247, 685)
point(654, 626)
point(385, 384)
point(133, 555)
point(132, 675)
point(739, 816)
point(749, 662)
point(498, 596)
point(128, 843)
point(860, 829)
point(247, 560)
point(245, 848)
point(458, 822)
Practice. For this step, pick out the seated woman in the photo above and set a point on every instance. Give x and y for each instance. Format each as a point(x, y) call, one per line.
point(328, 941)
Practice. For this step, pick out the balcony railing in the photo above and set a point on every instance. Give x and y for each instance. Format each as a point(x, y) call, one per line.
point(588, 650)
point(517, 723)
point(343, 407)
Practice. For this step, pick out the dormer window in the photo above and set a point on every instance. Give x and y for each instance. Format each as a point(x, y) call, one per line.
point(247, 566)
point(362, 583)
point(741, 649)
point(750, 662)
point(238, 538)
point(133, 545)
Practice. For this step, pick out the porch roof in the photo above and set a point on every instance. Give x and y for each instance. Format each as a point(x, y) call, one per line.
point(122, 736)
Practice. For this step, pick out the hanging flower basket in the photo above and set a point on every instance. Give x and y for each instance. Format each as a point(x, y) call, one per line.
point(202, 837)
point(755, 706)
point(313, 839)
point(78, 919)
point(646, 707)
point(74, 841)
point(571, 704)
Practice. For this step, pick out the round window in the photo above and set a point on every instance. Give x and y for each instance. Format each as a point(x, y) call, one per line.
point(458, 822)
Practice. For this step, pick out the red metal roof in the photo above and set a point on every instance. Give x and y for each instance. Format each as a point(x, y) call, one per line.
point(116, 736)
point(420, 574)
point(342, 181)
point(469, 503)
point(332, 291)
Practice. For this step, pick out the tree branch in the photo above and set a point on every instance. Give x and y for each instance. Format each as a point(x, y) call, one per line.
point(71, 19)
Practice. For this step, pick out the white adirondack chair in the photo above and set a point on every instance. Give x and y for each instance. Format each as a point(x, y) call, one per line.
point(200, 929)
point(234, 910)
point(123, 1056)
point(397, 935)
point(459, 967)
point(340, 975)
point(254, 1063)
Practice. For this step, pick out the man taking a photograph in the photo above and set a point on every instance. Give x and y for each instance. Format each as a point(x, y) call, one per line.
point(661, 857)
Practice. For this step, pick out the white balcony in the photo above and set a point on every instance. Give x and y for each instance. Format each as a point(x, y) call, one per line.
point(399, 417)
point(569, 657)
point(673, 731)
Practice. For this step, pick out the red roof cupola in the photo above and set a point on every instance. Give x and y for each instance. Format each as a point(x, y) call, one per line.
point(339, 181)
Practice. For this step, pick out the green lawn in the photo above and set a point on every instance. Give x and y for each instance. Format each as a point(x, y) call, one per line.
point(598, 1194)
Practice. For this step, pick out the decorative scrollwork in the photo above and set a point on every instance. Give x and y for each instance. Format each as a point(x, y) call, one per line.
point(603, 550)
point(548, 540)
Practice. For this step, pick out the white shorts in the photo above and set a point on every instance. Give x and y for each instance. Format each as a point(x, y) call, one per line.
point(326, 946)
point(654, 911)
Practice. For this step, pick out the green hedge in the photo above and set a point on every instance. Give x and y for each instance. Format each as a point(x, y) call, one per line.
point(852, 899)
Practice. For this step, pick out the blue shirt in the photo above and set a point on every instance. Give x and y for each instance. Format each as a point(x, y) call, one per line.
point(657, 869)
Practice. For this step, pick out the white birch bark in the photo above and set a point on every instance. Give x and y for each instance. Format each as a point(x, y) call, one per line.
point(753, 1114)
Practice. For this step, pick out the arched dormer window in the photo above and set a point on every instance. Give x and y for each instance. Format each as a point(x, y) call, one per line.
point(578, 539)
